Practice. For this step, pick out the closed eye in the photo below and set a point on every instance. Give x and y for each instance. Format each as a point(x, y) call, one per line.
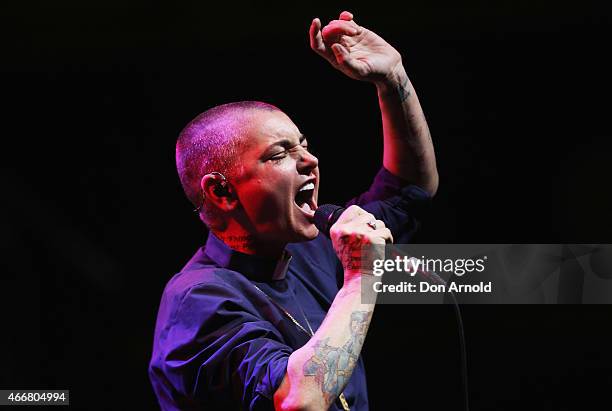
point(289, 148)
point(279, 156)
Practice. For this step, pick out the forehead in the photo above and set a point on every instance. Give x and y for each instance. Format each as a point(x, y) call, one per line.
point(268, 127)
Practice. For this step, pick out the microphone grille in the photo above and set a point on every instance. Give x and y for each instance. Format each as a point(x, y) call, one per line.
point(325, 216)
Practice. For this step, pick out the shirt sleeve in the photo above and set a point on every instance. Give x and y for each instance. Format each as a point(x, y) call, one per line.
point(402, 213)
point(396, 202)
point(218, 351)
point(384, 185)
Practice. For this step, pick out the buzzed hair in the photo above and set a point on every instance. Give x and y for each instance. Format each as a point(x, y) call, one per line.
point(212, 142)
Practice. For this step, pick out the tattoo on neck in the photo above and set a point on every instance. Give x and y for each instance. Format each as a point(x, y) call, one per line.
point(332, 366)
point(238, 242)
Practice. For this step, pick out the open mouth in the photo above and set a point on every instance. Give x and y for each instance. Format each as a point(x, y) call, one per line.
point(304, 199)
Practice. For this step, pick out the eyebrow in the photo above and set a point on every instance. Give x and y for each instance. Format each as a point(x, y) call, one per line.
point(285, 143)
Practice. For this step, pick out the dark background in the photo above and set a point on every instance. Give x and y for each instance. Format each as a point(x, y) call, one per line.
point(93, 220)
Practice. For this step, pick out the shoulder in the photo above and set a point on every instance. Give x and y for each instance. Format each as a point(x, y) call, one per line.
point(206, 285)
point(199, 293)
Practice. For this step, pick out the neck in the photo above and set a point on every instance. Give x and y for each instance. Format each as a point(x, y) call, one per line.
point(249, 244)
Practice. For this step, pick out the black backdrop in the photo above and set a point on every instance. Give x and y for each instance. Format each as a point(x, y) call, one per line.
point(94, 221)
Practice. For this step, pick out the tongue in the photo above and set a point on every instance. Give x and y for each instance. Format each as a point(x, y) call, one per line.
point(306, 209)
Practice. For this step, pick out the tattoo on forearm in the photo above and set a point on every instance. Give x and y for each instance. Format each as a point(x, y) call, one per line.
point(403, 89)
point(332, 366)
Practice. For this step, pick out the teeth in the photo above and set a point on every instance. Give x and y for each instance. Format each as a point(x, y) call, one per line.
point(309, 186)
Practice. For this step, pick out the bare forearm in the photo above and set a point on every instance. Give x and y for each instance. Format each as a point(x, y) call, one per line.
point(408, 148)
point(318, 372)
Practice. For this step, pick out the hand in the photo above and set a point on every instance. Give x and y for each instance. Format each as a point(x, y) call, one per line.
point(354, 50)
point(352, 238)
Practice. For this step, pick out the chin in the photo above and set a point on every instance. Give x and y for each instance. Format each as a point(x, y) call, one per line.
point(305, 234)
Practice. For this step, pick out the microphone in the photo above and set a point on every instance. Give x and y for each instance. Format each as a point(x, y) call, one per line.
point(326, 216)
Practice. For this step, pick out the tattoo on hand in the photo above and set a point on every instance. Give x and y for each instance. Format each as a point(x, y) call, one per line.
point(332, 366)
point(350, 253)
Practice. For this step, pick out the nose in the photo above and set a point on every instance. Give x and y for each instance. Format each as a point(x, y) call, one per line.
point(307, 162)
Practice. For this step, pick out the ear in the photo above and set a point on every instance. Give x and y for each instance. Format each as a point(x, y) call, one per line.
point(218, 191)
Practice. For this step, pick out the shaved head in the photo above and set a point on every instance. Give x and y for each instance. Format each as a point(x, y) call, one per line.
point(211, 142)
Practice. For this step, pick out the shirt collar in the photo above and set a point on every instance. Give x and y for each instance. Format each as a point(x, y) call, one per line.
point(251, 266)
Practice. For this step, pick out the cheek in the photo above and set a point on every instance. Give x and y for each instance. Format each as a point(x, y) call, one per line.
point(267, 201)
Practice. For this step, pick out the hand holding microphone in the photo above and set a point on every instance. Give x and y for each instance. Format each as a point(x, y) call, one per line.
point(353, 232)
point(326, 217)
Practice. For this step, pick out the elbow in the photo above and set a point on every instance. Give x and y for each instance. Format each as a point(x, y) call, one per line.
point(295, 393)
point(429, 177)
point(429, 180)
point(428, 183)
point(287, 399)
point(432, 187)
point(424, 175)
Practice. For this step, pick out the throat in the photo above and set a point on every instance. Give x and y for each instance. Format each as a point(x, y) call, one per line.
point(248, 244)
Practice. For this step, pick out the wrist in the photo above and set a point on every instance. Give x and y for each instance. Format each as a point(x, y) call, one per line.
point(360, 288)
point(396, 79)
point(352, 281)
point(355, 280)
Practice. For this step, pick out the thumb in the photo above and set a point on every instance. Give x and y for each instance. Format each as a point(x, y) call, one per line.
point(341, 53)
point(343, 58)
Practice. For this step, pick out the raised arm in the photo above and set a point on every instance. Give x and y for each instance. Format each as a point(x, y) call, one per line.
point(363, 55)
